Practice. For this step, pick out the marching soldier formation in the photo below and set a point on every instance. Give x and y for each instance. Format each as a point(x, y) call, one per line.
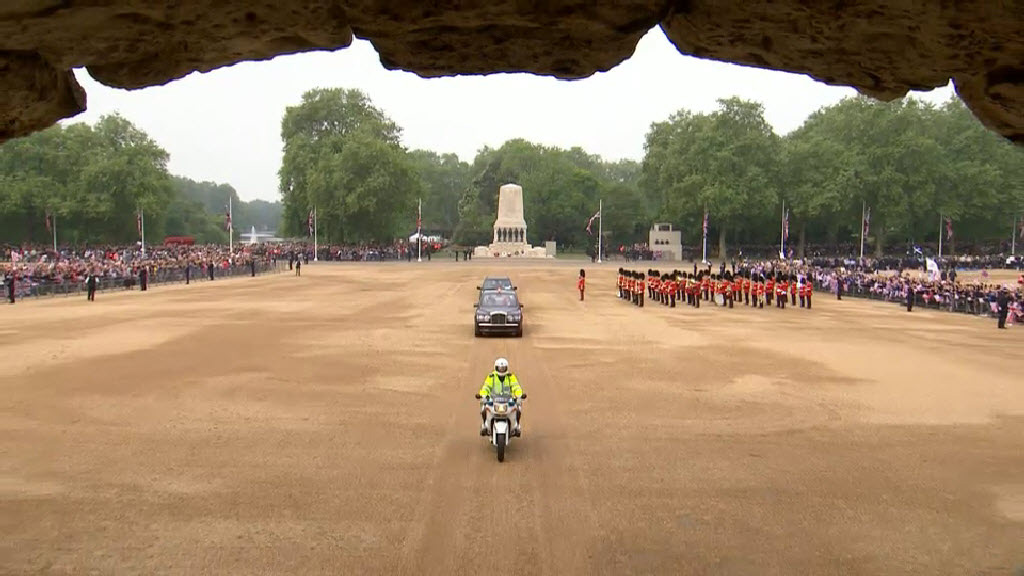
point(748, 288)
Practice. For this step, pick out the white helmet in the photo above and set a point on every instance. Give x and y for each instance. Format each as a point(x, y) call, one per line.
point(501, 366)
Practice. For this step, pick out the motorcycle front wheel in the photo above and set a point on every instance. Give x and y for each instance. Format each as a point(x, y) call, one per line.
point(500, 445)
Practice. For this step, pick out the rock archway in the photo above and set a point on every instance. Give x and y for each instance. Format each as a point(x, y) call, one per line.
point(881, 47)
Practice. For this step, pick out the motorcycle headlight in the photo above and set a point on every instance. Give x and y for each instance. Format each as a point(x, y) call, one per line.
point(500, 408)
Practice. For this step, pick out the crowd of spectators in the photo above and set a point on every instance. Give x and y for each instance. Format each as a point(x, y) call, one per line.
point(946, 291)
point(37, 271)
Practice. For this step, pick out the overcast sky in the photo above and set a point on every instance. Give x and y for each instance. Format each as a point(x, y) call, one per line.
point(224, 126)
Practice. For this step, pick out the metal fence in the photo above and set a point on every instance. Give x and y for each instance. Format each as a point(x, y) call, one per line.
point(33, 289)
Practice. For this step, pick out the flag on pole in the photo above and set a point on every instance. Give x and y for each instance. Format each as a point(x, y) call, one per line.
point(309, 224)
point(591, 221)
point(917, 250)
point(227, 217)
point(419, 216)
point(138, 222)
point(49, 222)
point(705, 222)
point(949, 228)
point(1022, 227)
point(867, 221)
point(785, 226)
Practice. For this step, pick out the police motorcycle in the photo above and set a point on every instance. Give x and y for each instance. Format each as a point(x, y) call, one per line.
point(498, 410)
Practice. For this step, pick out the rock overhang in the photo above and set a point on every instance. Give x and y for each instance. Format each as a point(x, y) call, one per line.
point(883, 48)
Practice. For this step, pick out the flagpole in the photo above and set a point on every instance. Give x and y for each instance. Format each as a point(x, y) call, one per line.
point(704, 243)
point(231, 229)
point(782, 252)
point(54, 222)
point(863, 207)
point(600, 227)
point(315, 257)
point(419, 232)
point(940, 235)
point(142, 230)
point(1013, 237)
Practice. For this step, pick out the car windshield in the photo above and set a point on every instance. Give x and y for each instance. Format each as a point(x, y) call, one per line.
point(495, 283)
point(499, 300)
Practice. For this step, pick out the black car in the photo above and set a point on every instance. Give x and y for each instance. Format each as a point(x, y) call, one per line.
point(498, 312)
point(496, 283)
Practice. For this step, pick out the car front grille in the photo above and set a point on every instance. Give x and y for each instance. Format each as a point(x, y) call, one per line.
point(498, 318)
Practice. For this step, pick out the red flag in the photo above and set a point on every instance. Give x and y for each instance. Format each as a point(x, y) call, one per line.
point(227, 218)
point(785, 226)
point(867, 221)
point(705, 222)
point(949, 228)
point(49, 222)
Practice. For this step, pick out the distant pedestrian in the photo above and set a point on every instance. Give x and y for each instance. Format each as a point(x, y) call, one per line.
point(298, 267)
point(209, 269)
point(90, 285)
point(1003, 304)
point(188, 273)
point(252, 267)
point(581, 283)
point(9, 282)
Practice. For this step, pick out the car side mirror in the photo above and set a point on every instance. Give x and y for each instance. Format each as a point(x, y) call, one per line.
point(477, 287)
point(515, 287)
point(522, 305)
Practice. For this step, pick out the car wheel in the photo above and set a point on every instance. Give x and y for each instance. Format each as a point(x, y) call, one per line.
point(476, 331)
point(519, 333)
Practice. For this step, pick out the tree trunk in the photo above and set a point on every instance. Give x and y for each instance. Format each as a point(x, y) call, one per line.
point(802, 241)
point(879, 242)
point(721, 242)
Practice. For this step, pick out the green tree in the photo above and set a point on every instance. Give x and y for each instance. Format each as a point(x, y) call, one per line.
point(725, 161)
point(342, 155)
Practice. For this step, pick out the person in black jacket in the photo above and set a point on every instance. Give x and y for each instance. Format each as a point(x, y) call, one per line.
point(90, 285)
point(1003, 303)
point(9, 281)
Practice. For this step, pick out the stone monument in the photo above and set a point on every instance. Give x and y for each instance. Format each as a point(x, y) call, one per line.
point(509, 239)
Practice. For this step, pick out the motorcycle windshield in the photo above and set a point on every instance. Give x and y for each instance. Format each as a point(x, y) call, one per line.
point(501, 397)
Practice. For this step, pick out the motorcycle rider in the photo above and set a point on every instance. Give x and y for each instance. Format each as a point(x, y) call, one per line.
point(502, 381)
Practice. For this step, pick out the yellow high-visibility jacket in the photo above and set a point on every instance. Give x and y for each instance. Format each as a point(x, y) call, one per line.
point(494, 384)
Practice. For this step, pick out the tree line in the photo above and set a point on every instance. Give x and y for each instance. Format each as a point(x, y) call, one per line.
point(908, 163)
point(90, 181)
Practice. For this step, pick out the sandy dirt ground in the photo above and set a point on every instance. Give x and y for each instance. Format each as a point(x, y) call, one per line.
point(326, 424)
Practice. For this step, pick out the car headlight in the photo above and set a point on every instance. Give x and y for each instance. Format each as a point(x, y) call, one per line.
point(481, 316)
